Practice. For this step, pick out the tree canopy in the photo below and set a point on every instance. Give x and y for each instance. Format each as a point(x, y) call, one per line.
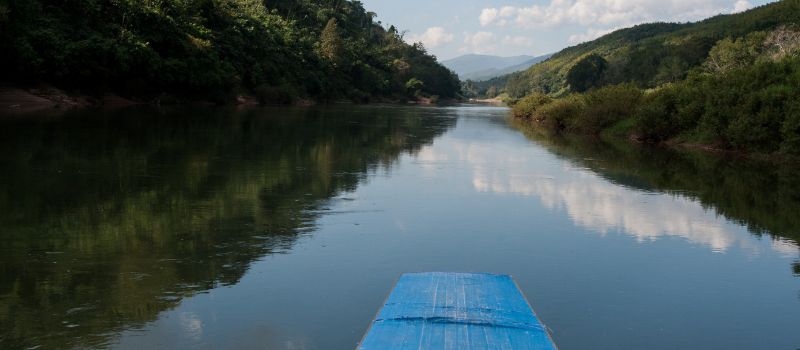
point(587, 73)
point(213, 49)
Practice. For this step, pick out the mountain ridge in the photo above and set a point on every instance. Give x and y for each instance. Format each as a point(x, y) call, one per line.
point(482, 67)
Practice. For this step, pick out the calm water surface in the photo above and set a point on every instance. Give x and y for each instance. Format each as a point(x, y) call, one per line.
point(286, 229)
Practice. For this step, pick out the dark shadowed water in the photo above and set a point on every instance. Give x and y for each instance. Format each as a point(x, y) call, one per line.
point(286, 229)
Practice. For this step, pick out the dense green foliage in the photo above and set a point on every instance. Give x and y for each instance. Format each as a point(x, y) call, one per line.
point(587, 73)
point(755, 108)
point(214, 49)
point(588, 113)
point(647, 55)
point(742, 96)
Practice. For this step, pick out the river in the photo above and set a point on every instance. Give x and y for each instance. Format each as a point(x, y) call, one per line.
point(286, 228)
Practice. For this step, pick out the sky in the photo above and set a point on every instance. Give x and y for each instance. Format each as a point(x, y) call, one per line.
point(450, 28)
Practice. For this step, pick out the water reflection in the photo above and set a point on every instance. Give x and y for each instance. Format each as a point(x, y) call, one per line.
point(605, 191)
point(287, 227)
point(763, 197)
point(108, 219)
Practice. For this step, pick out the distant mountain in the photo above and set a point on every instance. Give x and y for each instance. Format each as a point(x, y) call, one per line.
point(495, 72)
point(482, 67)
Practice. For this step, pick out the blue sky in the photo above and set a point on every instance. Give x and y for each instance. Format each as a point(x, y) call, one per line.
point(450, 28)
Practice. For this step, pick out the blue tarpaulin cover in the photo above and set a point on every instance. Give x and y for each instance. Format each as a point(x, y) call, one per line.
point(456, 311)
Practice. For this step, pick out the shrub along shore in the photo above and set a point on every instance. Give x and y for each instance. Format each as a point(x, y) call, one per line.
point(744, 98)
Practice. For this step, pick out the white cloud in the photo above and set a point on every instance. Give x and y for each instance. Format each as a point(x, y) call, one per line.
point(498, 17)
point(488, 16)
point(517, 41)
point(480, 42)
point(608, 13)
point(433, 37)
point(591, 34)
point(742, 5)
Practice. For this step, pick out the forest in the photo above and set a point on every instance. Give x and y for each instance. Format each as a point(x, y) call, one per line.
point(278, 51)
point(730, 82)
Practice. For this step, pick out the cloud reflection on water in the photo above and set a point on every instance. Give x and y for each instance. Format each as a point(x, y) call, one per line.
point(589, 200)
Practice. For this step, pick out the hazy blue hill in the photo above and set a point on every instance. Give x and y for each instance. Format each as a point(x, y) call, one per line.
point(495, 72)
point(467, 65)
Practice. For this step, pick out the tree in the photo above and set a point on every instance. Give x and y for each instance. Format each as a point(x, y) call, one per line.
point(469, 89)
point(212, 49)
point(414, 86)
point(492, 92)
point(672, 69)
point(331, 42)
point(587, 73)
point(783, 42)
point(729, 54)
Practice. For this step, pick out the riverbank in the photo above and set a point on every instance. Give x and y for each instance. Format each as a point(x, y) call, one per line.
point(15, 100)
point(30, 100)
point(749, 110)
point(623, 133)
point(490, 101)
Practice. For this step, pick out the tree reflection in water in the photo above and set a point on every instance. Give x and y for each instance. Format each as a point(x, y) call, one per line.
point(764, 196)
point(107, 219)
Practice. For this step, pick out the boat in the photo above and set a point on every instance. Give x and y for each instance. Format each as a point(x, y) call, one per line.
point(465, 311)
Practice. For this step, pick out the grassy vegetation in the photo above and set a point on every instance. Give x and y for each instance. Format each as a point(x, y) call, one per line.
point(742, 96)
point(214, 50)
point(588, 113)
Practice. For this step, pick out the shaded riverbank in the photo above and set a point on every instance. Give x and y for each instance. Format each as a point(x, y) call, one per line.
point(22, 101)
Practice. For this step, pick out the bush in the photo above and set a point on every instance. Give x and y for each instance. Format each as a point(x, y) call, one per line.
point(561, 114)
point(527, 108)
point(790, 131)
point(606, 106)
point(757, 123)
point(655, 116)
point(754, 108)
point(588, 113)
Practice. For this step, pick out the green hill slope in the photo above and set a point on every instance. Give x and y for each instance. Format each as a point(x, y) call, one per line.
point(647, 55)
point(214, 50)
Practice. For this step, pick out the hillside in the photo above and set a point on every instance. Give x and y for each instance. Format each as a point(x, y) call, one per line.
point(472, 65)
point(647, 55)
point(727, 83)
point(214, 50)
